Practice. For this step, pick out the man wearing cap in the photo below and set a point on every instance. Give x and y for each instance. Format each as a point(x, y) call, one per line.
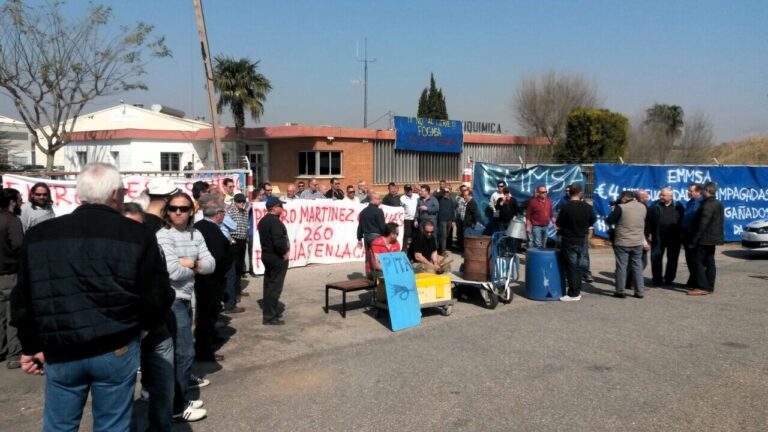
point(275, 248)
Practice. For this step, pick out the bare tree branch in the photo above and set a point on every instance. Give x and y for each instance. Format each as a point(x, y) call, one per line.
point(52, 67)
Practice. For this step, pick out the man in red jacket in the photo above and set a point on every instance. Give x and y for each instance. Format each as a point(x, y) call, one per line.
point(538, 217)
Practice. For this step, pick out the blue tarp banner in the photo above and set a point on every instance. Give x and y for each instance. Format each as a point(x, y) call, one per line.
point(743, 190)
point(402, 296)
point(522, 182)
point(428, 135)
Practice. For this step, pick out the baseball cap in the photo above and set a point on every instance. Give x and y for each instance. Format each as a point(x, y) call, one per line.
point(161, 186)
point(272, 202)
point(239, 198)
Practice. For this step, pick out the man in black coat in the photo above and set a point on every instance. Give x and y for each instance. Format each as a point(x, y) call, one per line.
point(707, 232)
point(209, 289)
point(663, 227)
point(471, 215)
point(88, 284)
point(370, 225)
point(275, 248)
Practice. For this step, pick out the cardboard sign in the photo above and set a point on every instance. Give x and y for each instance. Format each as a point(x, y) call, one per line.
point(402, 295)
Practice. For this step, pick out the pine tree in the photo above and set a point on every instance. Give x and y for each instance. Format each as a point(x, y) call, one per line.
point(432, 102)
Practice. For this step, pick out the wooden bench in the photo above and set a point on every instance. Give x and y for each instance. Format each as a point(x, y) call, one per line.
point(345, 287)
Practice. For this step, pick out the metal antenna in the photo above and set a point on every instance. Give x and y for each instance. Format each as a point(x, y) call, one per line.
point(365, 61)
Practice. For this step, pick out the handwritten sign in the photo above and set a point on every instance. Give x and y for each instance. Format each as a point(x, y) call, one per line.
point(321, 231)
point(64, 192)
point(402, 296)
point(743, 190)
point(428, 135)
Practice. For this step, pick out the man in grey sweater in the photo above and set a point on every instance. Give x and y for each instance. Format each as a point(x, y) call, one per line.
point(629, 218)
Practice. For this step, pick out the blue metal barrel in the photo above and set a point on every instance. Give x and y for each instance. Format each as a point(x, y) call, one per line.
point(543, 275)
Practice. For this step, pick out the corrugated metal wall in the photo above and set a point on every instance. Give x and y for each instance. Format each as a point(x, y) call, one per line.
point(406, 166)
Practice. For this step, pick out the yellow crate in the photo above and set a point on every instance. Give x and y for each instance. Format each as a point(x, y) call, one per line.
point(431, 288)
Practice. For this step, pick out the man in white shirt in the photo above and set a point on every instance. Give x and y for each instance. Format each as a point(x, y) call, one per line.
point(290, 194)
point(409, 201)
point(351, 195)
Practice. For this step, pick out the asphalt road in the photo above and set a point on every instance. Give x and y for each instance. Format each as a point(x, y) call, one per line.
point(668, 362)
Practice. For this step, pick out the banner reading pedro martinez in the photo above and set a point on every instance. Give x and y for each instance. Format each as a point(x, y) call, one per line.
point(320, 231)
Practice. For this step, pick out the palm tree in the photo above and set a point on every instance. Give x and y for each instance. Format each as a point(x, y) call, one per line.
point(666, 123)
point(240, 87)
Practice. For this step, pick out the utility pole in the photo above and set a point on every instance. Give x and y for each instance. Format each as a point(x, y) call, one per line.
point(365, 61)
point(209, 80)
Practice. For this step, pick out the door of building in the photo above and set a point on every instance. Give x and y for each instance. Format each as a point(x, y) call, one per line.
point(257, 156)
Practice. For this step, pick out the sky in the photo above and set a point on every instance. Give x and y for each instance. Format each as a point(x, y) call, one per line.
point(705, 56)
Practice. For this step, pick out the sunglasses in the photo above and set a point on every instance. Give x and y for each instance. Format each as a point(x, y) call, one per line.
point(176, 209)
point(40, 194)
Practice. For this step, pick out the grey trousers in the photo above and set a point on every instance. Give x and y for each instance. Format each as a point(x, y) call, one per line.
point(10, 347)
point(629, 258)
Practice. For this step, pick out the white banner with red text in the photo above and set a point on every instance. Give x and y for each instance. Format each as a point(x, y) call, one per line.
point(321, 231)
point(64, 192)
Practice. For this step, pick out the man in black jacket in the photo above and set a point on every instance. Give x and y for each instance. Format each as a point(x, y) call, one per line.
point(209, 289)
point(89, 283)
point(275, 247)
point(663, 227)
point(707, 229)
point(11, 238)
point(573, 222)
point(471, 215)
point(392, 199)
point(370, 225)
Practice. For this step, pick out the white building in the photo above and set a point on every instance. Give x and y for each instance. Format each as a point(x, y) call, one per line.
point(137, 139)
point(15, 143)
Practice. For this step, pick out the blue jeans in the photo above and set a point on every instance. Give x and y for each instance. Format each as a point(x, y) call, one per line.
point(183, 347)
point(157, 367)
point(539, 236)
point(629, 260)
point(111, 379)
point(231, 285)
point(572, 257)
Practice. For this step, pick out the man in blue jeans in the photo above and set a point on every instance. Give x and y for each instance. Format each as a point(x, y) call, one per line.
point(629, 236)
point(81, 327)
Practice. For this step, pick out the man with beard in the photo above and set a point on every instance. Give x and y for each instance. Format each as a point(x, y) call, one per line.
point(39, 207)
point(11, 238)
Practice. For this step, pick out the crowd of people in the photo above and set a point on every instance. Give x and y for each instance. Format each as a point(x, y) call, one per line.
point(91, 297)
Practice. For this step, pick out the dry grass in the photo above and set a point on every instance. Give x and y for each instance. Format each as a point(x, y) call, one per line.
point(750, 151)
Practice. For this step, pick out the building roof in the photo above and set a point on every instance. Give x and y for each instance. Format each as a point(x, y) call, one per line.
point(130, 122)
point(7, 120)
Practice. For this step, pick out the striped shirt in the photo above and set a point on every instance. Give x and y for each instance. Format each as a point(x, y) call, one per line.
point(184, 244)
point(241, 219)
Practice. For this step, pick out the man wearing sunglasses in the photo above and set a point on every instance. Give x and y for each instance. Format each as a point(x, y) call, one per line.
point(538, 216)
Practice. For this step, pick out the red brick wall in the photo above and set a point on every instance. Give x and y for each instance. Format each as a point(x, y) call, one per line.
point(356, 160)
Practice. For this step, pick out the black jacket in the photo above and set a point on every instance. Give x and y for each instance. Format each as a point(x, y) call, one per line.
point(653, 219)
point(336, 194)
point(471, 214)
point(273, 236)
point(87, 283)
point(371, 221)
point(391, 200)
point(507, 210)
point(218, 246)
point(707, 225)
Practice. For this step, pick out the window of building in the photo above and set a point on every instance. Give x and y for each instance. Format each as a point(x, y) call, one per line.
point(320, 163)
point(170, 161)
point(115, 158)
point(226, 158)
point(82, 158)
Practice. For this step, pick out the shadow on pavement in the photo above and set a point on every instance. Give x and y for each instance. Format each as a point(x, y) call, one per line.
point(746, 254)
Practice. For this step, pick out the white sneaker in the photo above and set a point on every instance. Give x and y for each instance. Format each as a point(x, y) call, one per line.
point(567, 298)
point(196, 381)
point(196, 404)
point(190, 414)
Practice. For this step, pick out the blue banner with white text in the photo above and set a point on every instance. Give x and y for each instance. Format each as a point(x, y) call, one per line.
point(428, 135)
point(522, 182)
point(743, 190)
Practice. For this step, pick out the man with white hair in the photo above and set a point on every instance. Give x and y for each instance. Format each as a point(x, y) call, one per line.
point(79, 316)
point(664, 228)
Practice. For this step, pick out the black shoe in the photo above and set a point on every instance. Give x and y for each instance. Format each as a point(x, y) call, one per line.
point(273, 321)
point(588, 279)
point(234, 310)
point(639, 296)
point(619, 295)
